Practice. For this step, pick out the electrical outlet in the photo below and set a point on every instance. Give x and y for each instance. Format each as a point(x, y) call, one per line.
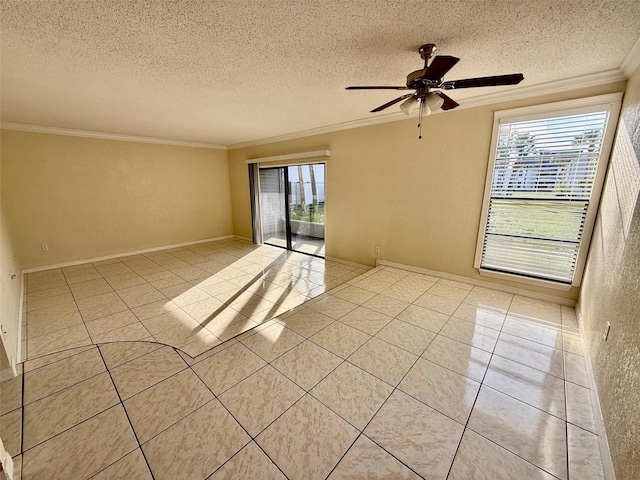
point(606, 331)
point(377, 248)
point(45, 247)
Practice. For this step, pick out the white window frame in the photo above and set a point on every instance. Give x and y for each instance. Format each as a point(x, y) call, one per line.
point(612, 103)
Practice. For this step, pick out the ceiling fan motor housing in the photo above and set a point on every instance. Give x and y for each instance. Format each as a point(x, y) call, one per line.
point(416, 80)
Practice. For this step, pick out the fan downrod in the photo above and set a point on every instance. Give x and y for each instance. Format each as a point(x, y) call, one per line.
point(427, 51)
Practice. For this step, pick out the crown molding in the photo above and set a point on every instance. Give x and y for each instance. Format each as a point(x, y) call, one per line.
point(25, 127)
point(595, 79)
point(363, 122)
point(632, 60)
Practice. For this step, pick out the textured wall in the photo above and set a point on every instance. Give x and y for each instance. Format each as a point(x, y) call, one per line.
point(86, 197)
point(611, 292)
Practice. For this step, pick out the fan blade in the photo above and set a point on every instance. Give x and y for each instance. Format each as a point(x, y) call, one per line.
point(512, 79)
point(439, 66)
point(392, 102)
point(373, 87)
point(449, 102)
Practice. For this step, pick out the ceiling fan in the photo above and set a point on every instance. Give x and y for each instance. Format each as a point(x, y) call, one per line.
point(431, 77)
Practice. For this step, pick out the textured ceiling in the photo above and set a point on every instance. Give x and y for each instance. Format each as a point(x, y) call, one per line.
point(236, 71)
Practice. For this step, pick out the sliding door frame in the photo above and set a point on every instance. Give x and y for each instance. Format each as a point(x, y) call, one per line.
point(254, 188)
point(287, 212)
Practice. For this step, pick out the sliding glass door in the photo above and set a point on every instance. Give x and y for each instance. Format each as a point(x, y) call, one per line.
point(292, 210)
point(273, 209)
point(306, 208)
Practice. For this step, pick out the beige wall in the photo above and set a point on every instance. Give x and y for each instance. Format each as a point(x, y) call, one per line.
point(87, 197)
point(420, 200)
point(611, 292)
point(9, 286)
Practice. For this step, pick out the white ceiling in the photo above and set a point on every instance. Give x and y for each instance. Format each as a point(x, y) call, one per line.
point(227, 72)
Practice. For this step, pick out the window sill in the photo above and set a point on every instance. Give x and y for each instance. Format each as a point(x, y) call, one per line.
point(529, 281)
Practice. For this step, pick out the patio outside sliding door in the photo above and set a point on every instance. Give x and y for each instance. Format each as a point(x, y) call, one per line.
point(306, 208)
point(292, 207)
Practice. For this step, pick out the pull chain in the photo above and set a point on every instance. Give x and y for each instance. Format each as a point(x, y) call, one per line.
point(420, 113)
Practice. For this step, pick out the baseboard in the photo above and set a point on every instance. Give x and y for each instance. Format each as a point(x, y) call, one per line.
point(243, 238)
point(91, 260)
point(347, 262)
point(480, 283)
point(603, 442)
point(123, 254)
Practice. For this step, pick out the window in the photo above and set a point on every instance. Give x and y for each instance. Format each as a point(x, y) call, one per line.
point(546, 170)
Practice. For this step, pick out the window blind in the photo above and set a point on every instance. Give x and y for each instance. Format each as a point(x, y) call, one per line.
point(543, 177)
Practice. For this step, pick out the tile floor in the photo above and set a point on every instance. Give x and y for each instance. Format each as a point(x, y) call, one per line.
point(390, 375)
point(193, 298)
point(303, 244)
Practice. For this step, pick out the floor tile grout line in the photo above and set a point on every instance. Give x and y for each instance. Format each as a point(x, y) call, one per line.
point(27, 309)
point(453, 315)
point(85, 347)
point(475, 400)
point(566, 436)
point(131, 308)
point(533, 368)
point(62, 389)
point(238, 452)
point(166, 270)
point(154, 384)
point(512, 453)
point(154, 342)
point(388, 452)
point(466, 427)
point(361, 432)
point(421, 356)
point(70, 428)
point(342, 360)
point(306, 392)
point(382, 340)
point(524, 402)
point(252, 438)
point(113, 463)
point(393, 344)
point(92, 339)
point(269, 363)
point(561, 349)
point(113, 383)
point(163, 430)
point(346, 451)
point(21, 414)
point(280, 355)
point(136, 322)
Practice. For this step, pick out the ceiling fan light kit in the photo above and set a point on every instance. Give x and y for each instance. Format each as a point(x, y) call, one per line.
point(433, 102)
point(408, 105)
point(430, 78)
